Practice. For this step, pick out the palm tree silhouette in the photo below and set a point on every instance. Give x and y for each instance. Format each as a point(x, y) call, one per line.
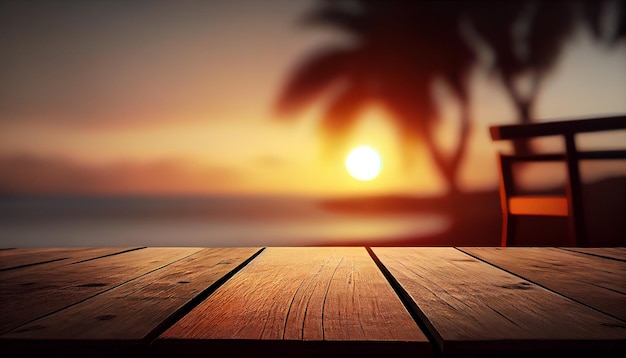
point(399, 50)
point(594, 16)
point(526, 39)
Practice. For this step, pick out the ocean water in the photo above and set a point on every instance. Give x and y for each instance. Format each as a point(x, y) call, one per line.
point(205, 221)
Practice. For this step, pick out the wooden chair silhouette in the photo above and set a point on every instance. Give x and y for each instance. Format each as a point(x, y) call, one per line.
point(570, 205)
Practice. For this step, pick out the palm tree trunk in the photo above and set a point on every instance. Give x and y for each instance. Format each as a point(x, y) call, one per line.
point(461, 149)
point(444, 165)
point(522, 146)
point(450, 166)
point(524, 112)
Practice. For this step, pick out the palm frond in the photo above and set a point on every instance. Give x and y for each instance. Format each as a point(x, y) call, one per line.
point(313, 78)
point(341, 116)
point(455, 68)
point(414, 113)
point(351, 22)
point(494, 22)
point(620, 34)
point(551, 27)
point(592, 11)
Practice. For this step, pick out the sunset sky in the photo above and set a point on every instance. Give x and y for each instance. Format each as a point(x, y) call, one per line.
point(176, 97)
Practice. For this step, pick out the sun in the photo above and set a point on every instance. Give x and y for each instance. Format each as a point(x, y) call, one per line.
point(363, 163)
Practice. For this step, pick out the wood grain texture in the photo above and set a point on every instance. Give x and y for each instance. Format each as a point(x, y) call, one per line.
point(291, 300)
point(594, 281)
point(19, 258)
point(616, 253)
point(32, 292)
point(473, 308)
point(129, 314)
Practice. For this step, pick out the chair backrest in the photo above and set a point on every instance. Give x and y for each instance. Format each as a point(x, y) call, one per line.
point(512, 205)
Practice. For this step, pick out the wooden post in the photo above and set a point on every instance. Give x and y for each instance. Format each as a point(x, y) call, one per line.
point(506, 186)
point(577, 227)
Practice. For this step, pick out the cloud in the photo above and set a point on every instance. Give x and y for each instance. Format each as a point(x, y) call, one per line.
point(28, 174)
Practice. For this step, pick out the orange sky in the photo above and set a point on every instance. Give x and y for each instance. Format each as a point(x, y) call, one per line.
point(176, 97)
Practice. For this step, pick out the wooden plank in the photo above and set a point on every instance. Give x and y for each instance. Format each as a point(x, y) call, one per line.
point(300, 301)
point(32, 292)
point(538, 205)
point(473, 308)
point(603, 154)
point(548, 157)
point(576, 222)
point(19, 258)
point(514, 131)
point(15, 258)
point(616, 253)
point(122, 320)
point(558, 157)
point(594, 281)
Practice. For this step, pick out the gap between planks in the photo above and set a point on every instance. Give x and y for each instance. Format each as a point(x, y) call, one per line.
point(199, 298)
point(529, 276)
point(22, 258)
point(289, 299)
point(418, 316)
point(61, 333)
point(469, 306)
point(15, 314)
point(611, 253)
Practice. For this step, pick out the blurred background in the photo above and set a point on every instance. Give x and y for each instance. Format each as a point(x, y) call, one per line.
point(227, 123)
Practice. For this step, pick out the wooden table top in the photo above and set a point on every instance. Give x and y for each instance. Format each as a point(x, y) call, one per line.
point(297, 301)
